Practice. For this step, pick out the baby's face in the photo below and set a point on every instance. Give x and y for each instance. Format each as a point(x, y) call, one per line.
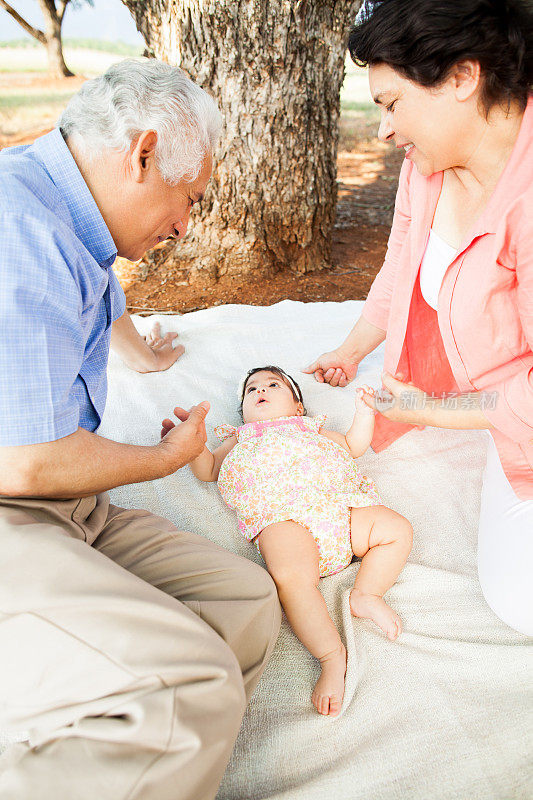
point(267, 396)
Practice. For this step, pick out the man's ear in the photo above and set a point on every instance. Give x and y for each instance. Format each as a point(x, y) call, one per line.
point(142, 155)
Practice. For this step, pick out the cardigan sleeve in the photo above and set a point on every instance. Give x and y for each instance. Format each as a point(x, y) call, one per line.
point(512, 413)
point(377, 305)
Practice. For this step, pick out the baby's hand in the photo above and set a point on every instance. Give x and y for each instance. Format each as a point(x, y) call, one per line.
point(364, 400)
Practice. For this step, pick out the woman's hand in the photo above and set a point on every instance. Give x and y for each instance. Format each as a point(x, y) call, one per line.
point(334, 368)
point(400, 401)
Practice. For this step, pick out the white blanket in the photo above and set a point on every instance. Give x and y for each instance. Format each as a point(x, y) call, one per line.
point(443, 712)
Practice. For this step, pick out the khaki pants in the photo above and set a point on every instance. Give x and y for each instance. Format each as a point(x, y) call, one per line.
point(128, 650)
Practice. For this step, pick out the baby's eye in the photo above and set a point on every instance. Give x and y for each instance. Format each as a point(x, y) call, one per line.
point(250, 389)
point(274, 383)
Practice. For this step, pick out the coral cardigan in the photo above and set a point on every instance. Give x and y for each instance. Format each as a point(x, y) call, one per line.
point(480, 338)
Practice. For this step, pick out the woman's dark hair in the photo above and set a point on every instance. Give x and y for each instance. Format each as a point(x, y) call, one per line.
point(287, 379)
point(423, 39)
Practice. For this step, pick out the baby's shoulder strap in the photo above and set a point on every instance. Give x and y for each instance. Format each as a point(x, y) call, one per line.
point(317, 422)
point(224, 431)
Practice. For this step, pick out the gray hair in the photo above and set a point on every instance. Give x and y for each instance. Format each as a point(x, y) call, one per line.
point(111, 111)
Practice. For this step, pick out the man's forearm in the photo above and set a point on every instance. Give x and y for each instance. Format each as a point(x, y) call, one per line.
point(130, 345)
point(78, 465)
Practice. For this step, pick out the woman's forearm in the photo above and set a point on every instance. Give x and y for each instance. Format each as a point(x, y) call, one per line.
point(362, 340)
point(459, 411)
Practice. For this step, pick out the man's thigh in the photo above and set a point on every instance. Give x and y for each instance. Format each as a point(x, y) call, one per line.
point(234, 595)
point(76, 628)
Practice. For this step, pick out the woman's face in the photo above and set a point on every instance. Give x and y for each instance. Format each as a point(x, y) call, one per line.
point(267, 396)
point(437, 127)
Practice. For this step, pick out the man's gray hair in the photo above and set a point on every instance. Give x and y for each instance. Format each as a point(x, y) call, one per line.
point(111, 111)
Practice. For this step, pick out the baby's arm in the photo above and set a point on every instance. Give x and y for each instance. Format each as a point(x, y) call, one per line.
point(359, 435)
point(207, 465)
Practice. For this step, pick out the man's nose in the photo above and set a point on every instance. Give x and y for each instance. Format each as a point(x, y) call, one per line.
point(182, 225)
point(386, 131)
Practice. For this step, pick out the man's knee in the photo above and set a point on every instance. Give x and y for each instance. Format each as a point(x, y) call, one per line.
point(262, 591)
point(255, 582)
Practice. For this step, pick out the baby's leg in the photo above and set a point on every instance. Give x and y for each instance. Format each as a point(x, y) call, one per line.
point(383, 539)
point(291, 555)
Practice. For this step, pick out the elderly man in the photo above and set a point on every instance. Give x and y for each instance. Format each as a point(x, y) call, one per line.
point(129, 648)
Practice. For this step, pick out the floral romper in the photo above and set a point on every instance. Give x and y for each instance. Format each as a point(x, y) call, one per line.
point(284, 469)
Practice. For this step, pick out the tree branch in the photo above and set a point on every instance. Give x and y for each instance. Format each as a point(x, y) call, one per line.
point(61, 6)
point(35, 32)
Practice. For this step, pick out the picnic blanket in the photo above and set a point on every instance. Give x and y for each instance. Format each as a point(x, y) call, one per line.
point(442, 713)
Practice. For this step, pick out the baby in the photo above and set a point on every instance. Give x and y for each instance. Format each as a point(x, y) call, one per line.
point(301, 499)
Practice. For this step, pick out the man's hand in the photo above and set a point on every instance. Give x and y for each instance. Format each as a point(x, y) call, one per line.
point(161, 346)
point(334, 368)
point(151, 353)
point(185, 441)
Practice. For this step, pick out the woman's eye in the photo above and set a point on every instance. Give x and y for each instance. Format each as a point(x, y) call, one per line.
point(391, 107)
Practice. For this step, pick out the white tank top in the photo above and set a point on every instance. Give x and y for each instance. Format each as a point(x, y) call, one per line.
point(437, 258)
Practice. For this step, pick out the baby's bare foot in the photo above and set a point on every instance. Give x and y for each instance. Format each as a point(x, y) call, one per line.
point(374, 607)
point(329, 689)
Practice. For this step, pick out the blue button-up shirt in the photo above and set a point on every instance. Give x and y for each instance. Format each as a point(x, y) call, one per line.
point(58, 296)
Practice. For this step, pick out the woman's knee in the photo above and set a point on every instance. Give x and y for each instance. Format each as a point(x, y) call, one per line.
point(511, 599)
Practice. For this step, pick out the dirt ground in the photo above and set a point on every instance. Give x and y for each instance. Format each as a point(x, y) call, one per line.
point(367, 180)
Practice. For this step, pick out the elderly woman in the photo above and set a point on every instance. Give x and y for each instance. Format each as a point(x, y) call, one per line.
point(454, 298)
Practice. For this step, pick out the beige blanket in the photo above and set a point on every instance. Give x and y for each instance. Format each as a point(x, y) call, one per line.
point(444, 712)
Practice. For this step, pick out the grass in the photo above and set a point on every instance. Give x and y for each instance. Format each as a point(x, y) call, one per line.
point(119, 48)
point(82, 61)
point(13, 101)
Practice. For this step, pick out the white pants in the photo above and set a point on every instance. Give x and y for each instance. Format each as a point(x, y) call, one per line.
point(505, 547)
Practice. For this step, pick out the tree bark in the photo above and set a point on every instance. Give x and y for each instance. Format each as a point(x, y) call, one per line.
point(51, 37)
point(275, 68)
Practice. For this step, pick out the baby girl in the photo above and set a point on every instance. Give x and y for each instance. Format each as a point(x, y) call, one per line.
point(301, 499)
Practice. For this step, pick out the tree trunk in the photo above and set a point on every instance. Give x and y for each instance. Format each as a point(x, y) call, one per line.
point(275, 68)
point(53, 20)
point(54, 48)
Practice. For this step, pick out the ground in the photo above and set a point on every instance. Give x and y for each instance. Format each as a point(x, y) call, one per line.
point(367, 180)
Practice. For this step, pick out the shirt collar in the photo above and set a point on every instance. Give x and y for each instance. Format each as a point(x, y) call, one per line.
point(89, 225)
